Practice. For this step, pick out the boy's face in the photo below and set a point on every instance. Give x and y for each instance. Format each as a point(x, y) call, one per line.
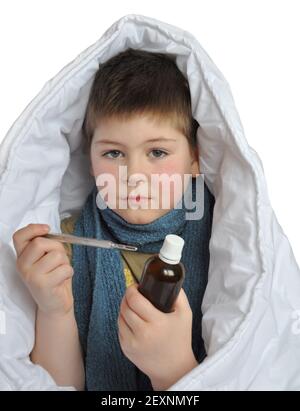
point(126, 143)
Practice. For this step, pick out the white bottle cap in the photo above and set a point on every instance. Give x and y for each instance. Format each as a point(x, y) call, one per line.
point(171, 249)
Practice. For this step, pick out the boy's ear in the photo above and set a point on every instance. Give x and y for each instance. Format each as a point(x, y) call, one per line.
point(91, 170)
point(195, 167)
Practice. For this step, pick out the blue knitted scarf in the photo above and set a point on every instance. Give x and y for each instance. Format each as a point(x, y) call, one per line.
point(99, 284)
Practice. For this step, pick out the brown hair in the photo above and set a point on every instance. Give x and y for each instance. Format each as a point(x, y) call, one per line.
point(140, 82)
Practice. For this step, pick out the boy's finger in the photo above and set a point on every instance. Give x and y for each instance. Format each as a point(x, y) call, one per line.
point(181, 303)
point(124, 328)
point(22, 236)
point(59, 275)
point(36, 249)
point(140, 304)
point(50, 261)
point(131, 317)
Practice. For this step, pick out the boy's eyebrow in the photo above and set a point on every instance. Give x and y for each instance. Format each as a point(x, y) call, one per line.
point(152, 140)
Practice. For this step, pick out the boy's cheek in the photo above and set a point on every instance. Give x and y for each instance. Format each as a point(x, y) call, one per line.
point(107, 169)
point(169, 167)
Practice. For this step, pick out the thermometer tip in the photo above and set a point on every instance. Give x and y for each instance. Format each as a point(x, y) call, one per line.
point(125, 247)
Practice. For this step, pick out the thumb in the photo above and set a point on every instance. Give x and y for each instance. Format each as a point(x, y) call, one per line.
point(181, 303)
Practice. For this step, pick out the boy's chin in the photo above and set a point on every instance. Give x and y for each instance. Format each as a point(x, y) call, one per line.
point(140, 216)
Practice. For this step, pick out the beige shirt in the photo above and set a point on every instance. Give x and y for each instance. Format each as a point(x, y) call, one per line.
point(133, 262)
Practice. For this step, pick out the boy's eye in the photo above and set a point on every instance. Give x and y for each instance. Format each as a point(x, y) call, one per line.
point(113, 152)
point(157, 153)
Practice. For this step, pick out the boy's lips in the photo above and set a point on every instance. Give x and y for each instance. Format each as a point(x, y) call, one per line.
point(136, 197)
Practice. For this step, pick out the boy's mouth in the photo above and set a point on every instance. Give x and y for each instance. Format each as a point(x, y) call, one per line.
point(136, 198)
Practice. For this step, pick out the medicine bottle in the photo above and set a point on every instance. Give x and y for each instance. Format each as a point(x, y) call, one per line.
point(163, 274)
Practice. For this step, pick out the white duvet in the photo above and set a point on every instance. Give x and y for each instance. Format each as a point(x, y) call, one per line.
point(251, 308)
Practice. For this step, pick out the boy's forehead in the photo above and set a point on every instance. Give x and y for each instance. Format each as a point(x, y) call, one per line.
point(137, 130)
point(146, 141)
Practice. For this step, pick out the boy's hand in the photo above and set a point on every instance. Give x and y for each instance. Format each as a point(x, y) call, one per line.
point(45, 269)
point(159, 344)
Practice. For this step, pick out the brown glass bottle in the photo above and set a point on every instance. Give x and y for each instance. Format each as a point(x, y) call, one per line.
point(163, 275)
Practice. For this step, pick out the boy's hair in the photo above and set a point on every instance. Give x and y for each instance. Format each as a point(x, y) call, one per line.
point(137, 82)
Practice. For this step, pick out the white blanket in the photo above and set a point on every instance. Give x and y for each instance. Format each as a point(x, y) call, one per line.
point(251, 308)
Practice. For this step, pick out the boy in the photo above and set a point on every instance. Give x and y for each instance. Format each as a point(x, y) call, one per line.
point(90, 332)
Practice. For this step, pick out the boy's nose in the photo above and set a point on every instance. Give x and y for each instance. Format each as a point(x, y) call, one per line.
point(134, 165)
point(134, 172)
point(135, 178)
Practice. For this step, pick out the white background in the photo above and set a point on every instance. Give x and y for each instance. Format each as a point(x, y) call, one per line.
point(254, 43)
